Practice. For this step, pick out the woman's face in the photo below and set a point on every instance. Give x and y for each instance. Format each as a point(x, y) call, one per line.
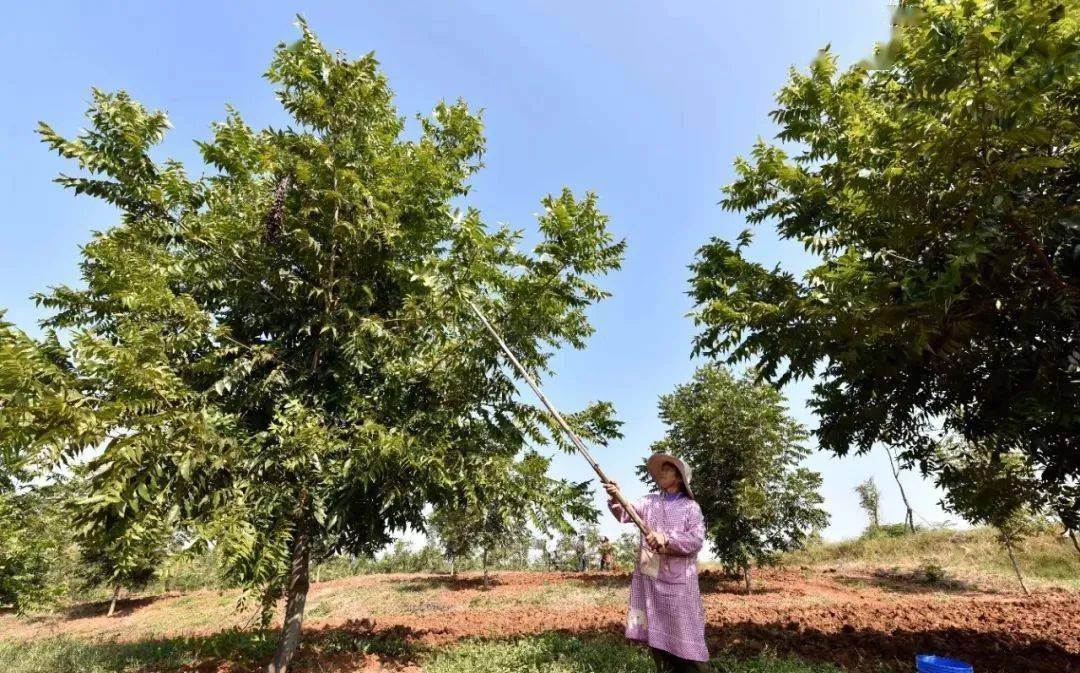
point(668, 478)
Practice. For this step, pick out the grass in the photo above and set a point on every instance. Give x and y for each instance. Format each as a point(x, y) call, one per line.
point(770, 664)
point(559, 653)
point(973, 556)
point(419, 597)
point(570, 595)
point(163, 616)
point(546, 653)
point(71, 655)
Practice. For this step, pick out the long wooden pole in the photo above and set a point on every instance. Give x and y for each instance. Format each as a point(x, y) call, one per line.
point(578, 444)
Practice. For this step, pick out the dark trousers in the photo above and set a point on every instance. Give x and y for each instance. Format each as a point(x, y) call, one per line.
point(666, 662)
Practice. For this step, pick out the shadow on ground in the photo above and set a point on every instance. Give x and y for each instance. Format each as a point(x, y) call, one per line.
point(125, 606)
point(443, 582)
point(600, 580)
point(911, 583)
point(870, 649)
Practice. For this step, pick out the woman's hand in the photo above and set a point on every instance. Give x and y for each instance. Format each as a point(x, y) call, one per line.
point(612, 489)
point(656, 540)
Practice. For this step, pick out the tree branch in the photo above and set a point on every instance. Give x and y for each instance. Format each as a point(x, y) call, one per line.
point(1044, 260)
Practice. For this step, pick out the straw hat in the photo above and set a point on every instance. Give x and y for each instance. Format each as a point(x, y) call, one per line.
point(657, 460)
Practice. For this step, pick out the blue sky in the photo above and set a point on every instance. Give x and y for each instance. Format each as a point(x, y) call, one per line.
point(646, 103)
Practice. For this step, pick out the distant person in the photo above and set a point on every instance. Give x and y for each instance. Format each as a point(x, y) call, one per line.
point(607, 554)
point(583, 559)
point(665, 602)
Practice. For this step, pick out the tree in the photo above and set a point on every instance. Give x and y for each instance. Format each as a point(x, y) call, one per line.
point(1072, 536)
point(453, 528)
point(937, 187)
point(117, 551)
point(870, 501)
point(38, 409)
point(36, 546)
point(497, 535)
point(991, 487)
point(909, 514)
point(119, 566)
point(566, 554)
point(401, 558)
point(497, 513)
point(744, 451)
point(282, 353)
point(36, 541)
point(626, 550)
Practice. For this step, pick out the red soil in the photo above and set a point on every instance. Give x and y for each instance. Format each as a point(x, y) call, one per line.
point(820, 618)
point(855, 620)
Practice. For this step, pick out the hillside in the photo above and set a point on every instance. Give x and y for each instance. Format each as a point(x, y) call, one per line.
point(971, 557)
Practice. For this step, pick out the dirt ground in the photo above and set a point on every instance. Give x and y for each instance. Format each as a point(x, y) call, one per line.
point(861, 620)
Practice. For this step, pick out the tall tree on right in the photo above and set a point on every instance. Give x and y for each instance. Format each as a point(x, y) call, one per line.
point(938, 186)
point(745, 453)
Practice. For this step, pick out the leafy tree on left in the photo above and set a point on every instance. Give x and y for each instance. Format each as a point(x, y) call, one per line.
point(281, 357)
point(35, 537)
point(37, 548)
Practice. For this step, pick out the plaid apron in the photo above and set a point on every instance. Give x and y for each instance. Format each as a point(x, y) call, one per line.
point(665, 602)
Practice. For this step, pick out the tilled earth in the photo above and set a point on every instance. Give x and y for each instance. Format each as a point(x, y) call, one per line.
point(859, 620)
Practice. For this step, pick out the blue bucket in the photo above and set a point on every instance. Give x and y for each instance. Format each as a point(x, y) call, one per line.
point(928, 663)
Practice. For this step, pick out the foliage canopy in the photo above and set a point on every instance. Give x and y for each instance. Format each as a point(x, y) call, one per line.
point(938, 186)
point(745, 453)
point(279, 356)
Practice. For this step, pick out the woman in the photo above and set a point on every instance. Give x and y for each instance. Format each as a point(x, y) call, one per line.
point(665, 603)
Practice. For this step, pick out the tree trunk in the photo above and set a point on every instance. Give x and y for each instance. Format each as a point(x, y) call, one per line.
point(296, 598)
point(909, 518)
point(1015, 565)
point(453, 567)
point(1069, 531)
point(483, 560)
point(112, 605)
point(746, 577)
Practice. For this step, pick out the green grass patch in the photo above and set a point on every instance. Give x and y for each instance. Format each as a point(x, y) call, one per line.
point(548, 653)
point(70, 655)
point(560, 653)
point(769, 664)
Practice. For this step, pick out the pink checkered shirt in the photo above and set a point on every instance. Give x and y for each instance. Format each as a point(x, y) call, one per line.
point(666, 612)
